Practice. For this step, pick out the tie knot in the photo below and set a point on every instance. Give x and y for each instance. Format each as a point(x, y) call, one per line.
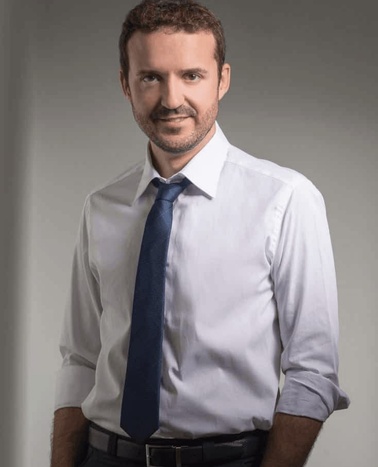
point(169, 191)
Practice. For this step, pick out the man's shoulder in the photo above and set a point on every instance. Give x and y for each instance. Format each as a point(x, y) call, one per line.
point(124, 185)
point(256, 167)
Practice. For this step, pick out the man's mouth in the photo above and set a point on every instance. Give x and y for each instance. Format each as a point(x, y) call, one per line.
point(176, 115)
point(173, 119)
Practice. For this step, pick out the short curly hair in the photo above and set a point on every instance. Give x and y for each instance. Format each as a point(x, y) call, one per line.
point(177, 15)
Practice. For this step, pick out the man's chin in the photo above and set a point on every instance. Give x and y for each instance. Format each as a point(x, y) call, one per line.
point(174, 144)
point(175, 149)
point(178, 144)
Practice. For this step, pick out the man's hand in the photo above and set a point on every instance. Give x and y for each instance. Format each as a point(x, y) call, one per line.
point(290, 441)
point(69, 439)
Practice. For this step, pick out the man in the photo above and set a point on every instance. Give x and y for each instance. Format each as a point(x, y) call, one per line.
point(173, 343)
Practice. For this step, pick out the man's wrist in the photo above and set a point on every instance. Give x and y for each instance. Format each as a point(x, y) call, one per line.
point(69, 438)
point(290, 441)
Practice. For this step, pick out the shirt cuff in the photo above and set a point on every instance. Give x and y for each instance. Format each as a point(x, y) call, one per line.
point(73, 385)
point(310, 395)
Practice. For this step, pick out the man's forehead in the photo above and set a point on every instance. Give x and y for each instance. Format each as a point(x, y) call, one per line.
point(171, 32)
point(165, 44)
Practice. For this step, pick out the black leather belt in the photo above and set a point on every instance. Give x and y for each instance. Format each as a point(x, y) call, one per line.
point(175, 453)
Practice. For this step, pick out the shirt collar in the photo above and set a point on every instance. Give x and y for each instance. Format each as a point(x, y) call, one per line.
point(203, 170)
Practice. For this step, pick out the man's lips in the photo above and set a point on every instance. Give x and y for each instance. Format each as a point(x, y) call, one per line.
point(173, 119)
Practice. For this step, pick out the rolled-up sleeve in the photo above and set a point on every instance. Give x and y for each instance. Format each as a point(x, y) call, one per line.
point(305, 290)
point(80, 336)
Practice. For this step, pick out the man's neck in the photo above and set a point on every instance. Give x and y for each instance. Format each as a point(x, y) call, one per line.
point(168, 164)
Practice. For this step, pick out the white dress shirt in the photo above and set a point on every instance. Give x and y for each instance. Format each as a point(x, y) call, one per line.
point(250, 290)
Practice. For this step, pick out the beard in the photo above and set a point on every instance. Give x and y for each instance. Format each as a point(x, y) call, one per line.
point(169, 139)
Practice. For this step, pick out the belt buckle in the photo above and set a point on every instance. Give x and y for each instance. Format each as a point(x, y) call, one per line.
point(154, 446)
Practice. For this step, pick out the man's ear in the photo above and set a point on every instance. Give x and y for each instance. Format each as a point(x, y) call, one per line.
point(124, 84)
point(225, 79)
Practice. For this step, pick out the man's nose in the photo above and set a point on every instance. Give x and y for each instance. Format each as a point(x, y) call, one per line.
point(172, 94)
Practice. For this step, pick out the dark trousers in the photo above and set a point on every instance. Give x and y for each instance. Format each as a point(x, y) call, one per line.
point(96, 458)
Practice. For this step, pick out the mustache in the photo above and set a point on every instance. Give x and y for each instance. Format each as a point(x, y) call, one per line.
point(182, 111)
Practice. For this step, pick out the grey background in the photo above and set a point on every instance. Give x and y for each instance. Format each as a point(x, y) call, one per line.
point(303, 95)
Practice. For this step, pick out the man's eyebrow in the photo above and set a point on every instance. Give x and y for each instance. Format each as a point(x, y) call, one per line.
point(201, 71)
point(147, 72)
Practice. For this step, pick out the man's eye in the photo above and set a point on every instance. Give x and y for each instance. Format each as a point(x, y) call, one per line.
point(149, 78)
point(192, 77)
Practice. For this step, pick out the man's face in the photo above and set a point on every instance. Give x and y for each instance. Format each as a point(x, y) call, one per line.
point(174, 88)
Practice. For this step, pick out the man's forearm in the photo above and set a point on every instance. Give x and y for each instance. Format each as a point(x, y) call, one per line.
point(290, 441)
point(69, 437)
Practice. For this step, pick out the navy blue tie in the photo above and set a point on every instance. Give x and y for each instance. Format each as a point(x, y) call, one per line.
point(140, 404)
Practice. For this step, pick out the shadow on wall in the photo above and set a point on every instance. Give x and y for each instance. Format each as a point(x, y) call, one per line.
point(12, 131)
